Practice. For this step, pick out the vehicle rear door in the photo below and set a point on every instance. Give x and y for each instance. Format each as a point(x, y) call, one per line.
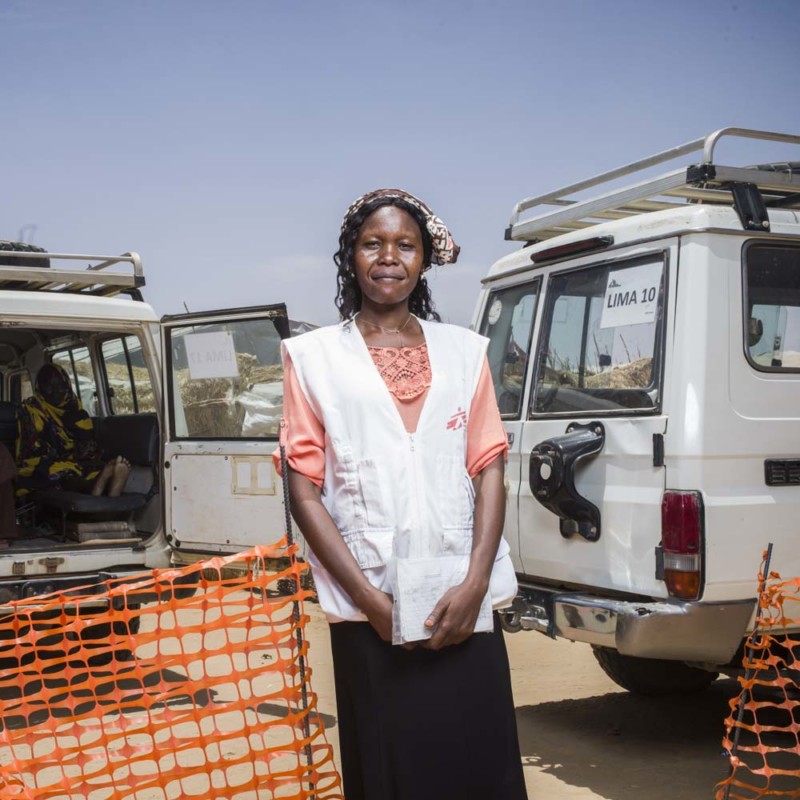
point(223, 396)
point(600, 358)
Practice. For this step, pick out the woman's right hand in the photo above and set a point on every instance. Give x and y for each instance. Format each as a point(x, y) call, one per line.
point(329, 547)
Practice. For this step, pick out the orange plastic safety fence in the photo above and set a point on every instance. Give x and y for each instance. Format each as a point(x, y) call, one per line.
point(762, 733)
point(184, 683)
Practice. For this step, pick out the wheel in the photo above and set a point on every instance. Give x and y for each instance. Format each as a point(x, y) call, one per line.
point(651, 676)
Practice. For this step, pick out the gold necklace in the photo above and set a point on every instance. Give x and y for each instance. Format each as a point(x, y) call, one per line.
point(388, 331)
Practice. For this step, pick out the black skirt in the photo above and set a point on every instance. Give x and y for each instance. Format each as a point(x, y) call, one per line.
point(422, 724)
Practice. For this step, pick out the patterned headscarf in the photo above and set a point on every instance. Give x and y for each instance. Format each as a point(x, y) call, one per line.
point(445, 250)
point(53, 387)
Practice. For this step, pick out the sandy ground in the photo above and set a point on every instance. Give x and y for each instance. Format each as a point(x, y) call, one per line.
point(581, 736)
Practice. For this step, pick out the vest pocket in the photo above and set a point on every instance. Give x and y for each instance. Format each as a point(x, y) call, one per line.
point(456, 495)
point(373, 501)
point(456, 540)
point(370, 548)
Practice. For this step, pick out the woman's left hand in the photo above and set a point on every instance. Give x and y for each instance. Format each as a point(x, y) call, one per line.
point(453, 619)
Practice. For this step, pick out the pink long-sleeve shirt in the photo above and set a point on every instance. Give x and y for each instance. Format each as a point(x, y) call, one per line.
point(303, 434)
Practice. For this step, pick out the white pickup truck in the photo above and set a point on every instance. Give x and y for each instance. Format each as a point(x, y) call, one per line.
point(192, 401)
point(645, 351)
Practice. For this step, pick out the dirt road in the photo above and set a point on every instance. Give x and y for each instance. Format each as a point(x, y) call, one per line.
point(583, 738)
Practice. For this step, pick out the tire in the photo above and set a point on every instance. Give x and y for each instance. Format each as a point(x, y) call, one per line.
point(652, 676)
point(22, 247)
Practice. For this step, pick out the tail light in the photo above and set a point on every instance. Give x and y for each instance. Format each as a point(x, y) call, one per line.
point(682, 543)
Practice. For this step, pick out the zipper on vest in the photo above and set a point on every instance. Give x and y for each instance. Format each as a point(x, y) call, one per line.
point(416, 548)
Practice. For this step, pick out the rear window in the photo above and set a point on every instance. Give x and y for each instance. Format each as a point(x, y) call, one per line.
point(772, 307)
point(226, 379)
point(602, 340)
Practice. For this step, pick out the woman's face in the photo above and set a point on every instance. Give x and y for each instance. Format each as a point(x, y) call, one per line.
point(53, 384)
point(388, 257)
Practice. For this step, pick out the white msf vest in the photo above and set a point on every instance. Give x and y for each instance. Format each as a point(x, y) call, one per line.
point(393, 494)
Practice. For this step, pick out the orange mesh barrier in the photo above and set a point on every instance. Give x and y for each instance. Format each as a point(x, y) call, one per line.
point(185, 683)
point(762, 733)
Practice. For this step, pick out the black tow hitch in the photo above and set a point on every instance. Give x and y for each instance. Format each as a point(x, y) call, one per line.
point(552, 478)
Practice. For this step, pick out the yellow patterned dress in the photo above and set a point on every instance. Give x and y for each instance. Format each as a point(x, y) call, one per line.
point(56, 446)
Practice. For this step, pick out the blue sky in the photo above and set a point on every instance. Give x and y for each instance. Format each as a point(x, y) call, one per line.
point(223, 141)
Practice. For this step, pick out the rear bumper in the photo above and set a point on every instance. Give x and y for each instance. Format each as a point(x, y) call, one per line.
point(675, 630)
point(31, 589)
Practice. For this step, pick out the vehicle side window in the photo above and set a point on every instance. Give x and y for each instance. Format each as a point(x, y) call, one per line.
point(772, 307)
point(130, 390)
point(19, 387)
point(77, 361)
point(226, 379)
point(508, 322)
point(601, 343)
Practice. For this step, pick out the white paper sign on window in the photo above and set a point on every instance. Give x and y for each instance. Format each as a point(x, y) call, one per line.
point(631, 296)
point(211, 355)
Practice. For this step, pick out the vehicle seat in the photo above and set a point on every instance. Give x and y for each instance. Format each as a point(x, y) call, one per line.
point(132, 436)
point(8, 426)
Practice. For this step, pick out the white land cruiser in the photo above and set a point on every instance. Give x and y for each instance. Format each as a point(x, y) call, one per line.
point(645, 350)
point(197, 425)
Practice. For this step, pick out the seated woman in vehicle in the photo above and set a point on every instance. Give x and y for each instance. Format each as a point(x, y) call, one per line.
point(56, 445)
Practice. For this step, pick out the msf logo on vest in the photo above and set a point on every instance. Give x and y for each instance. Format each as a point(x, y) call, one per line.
point(457, 421)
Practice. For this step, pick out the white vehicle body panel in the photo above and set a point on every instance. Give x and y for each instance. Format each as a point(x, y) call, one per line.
point(222, 496)
point(621, 480)
point(720, 419)
point(210, 497)
point(90, 314)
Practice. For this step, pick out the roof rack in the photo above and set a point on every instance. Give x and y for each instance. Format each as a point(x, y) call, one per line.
point(92, 280)
point(751, 190)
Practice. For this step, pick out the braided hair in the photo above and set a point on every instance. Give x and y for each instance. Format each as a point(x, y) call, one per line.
point(348, 294)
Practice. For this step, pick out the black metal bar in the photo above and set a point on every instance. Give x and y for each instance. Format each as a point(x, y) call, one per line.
point(749, 206)
point(762, 585)
point(700, 173)
point(296, 611)
point(587, 309)
point(785, 202)
point(131, 377)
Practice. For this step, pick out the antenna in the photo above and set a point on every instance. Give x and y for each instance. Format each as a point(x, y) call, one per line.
point(31, 229)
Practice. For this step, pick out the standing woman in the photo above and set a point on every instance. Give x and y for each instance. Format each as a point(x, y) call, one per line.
point(396, 455)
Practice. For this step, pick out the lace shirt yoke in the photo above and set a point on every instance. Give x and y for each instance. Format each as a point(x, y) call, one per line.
point(406, 371)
